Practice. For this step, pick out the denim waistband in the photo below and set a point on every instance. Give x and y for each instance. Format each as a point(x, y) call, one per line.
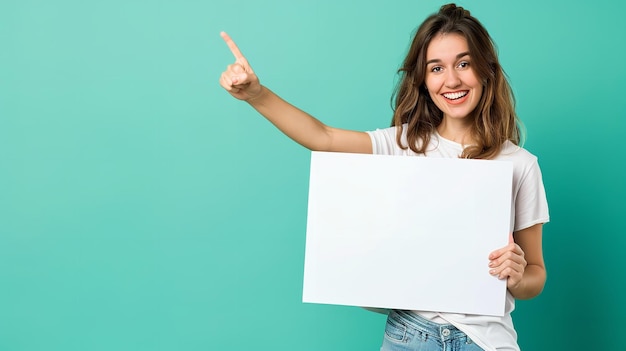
point(415, 321)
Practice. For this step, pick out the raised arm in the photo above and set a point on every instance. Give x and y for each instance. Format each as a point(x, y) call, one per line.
point(242, 83)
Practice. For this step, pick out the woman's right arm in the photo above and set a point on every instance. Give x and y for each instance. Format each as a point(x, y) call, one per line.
point(242, 83)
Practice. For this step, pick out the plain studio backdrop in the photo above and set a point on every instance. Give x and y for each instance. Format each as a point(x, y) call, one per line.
point(142, 208)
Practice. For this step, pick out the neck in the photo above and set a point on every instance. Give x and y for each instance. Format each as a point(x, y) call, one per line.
point(457, 131)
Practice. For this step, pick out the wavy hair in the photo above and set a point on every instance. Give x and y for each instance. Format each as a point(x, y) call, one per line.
point(494, 118)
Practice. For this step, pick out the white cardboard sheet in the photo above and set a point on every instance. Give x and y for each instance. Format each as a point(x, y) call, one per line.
point(406, 232)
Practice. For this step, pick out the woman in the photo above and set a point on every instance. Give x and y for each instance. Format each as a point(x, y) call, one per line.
point(453, 100)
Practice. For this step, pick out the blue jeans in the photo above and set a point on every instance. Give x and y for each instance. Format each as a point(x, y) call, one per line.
point(407, 331)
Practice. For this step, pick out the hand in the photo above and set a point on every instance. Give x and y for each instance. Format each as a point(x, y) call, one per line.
point(508, 262)
point(239, 78)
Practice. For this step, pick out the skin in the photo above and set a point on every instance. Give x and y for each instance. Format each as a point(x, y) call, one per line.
point(241, 82)
point(449, 71)
point(521, 263)
point(450, 75)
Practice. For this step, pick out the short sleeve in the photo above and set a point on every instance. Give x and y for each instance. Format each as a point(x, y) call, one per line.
point(531, 205)
point(384, 141)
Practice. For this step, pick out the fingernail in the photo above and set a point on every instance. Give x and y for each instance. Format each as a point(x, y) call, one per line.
point(492, 272)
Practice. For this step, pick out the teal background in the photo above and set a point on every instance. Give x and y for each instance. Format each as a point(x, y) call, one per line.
point(142, 208)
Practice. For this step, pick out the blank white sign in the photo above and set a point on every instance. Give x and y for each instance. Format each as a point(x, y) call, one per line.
point(408, 233)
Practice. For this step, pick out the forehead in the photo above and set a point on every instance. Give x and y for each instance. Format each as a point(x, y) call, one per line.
point(446, 46)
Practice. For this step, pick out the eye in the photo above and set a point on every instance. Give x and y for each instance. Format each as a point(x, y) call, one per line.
point(463, 64)
point(436, 69)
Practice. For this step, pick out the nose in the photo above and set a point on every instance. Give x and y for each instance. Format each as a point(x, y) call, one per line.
point(452, 79)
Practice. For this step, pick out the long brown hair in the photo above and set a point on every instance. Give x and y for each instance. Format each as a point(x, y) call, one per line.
point(494, 118)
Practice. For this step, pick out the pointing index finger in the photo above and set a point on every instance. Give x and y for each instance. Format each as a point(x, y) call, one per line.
point(232, 46)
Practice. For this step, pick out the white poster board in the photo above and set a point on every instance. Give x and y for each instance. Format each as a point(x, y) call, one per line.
point(409, 233)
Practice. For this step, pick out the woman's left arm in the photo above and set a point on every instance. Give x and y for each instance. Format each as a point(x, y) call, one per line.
point(521, 263)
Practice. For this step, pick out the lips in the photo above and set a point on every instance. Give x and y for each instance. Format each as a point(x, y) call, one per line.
point(456, 95)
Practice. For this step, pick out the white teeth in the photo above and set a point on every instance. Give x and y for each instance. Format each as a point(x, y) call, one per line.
point(454, 96)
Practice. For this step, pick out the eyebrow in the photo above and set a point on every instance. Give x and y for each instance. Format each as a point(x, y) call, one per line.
point(458, 56)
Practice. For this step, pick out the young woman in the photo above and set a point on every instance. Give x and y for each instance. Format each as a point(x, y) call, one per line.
point(453, 100)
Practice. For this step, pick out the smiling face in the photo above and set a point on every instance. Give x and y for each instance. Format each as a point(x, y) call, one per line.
point(451, 82)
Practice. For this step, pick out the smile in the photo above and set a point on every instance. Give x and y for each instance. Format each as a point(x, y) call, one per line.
point(456, 95)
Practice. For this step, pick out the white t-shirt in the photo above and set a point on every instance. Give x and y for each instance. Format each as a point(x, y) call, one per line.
point(529, 207)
